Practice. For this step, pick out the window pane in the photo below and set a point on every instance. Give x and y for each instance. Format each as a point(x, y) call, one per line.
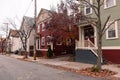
point(38, 28)
point(43, 26)
point(43, 41)
point(87, 10)
point(111, 34)
point(38, 44)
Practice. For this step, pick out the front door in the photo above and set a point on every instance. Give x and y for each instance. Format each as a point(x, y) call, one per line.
point(89, 33)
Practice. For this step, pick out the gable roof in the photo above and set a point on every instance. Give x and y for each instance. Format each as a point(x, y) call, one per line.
point(29, 21)
point(13, 33)
point(42, 11)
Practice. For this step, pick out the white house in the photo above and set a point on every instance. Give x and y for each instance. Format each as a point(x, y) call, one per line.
point(27, 28)
point(13, 41)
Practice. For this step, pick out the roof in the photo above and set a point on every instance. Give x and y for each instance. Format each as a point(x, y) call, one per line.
point(42, 11)
point(27, 21)
point(14, 33)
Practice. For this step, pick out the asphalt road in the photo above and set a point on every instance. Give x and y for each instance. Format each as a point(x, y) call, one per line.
point(13, 69)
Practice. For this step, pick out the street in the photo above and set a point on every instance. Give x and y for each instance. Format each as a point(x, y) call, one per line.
point(13, 69)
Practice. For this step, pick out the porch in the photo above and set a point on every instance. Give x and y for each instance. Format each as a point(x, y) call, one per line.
point(86, 46)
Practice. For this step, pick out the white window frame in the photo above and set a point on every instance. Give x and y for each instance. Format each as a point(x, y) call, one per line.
point(38, 29)
point(49, 43)
point(105, 4)
point(38, 44)
point(88, 7)
point(43, 26)
point(43, 41)
point(116, 30)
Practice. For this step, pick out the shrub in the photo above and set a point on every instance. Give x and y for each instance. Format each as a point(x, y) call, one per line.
point(49, 52)
point(95, 68)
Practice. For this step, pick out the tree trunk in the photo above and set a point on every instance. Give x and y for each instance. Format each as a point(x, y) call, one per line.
point(99, 44)
point(25, 48)
point(26, 54)
point(34, 56)
point(99, 52)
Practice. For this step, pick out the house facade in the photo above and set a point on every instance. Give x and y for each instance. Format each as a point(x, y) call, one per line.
point(41, 40)
point(28, 33)
point(2, 45)
point(110, 40)
point(45, 37)
point(13, 41)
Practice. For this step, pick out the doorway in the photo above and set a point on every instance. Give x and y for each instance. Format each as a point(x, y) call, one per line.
point(89, 33)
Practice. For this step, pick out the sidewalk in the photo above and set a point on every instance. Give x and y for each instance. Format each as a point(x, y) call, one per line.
point(70, 65)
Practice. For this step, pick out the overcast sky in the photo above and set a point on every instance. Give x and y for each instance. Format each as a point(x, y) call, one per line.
point(16, 9)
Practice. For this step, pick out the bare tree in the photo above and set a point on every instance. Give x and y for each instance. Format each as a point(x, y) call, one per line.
point(24, 32)
point(5, 28)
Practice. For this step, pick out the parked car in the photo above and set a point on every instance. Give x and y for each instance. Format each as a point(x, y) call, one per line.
point(16, 52)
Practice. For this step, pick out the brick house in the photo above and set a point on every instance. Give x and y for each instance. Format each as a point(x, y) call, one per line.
point(2, 45)
point(45, 37)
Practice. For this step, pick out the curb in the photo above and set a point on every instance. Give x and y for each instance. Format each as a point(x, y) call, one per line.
point(63, 68)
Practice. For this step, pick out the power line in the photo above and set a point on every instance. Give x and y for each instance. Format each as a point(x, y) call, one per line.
point(28, 7)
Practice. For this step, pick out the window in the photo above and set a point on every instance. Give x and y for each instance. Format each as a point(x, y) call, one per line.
point(112, 31)
point(43, 41)
point(49, 38)
point(38, 44)
point(38, 30)
point(88, 9)
point(43, 26)
point(109, 3)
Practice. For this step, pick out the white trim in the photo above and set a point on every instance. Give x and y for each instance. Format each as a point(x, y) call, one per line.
point(86, 8)
point(83, 48)
point(43, 39)
point(43, 49)
point(43, 26)
point(114, 4)
point(95, 35)
point(38, 29)
point(116, 31)
point(37, 44)
point(111, 47)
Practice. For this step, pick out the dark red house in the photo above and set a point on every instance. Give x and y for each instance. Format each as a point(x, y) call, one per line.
point(2, 45)
point(45, 37)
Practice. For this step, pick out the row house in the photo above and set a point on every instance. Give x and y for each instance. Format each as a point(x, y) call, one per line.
point(45, 37)
point(110, 40)
point(41, 43)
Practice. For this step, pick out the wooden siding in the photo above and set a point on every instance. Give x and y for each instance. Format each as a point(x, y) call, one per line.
point(112, 55)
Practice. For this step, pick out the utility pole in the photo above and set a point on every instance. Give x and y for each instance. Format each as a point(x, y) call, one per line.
point(6, 48)
point(35, 13)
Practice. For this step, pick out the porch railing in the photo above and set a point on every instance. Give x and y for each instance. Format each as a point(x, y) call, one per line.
point(91, 46)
